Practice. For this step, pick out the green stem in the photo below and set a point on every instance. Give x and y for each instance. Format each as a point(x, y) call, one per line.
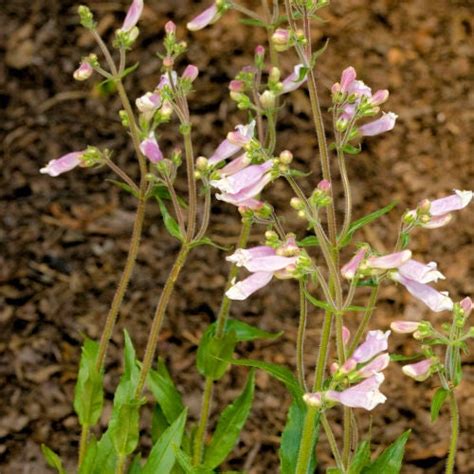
point(332, 442)
point(83, 443)
point(300, 338)
point(120, 467)
point(307, 445)
point(188, 148)
point(203, 420)
point(347, 192)
point(159, 317)
point(323, 352)
point(454, 433)
point(347, 437)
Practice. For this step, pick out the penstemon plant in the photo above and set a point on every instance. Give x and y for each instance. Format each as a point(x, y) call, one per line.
point(349, 367)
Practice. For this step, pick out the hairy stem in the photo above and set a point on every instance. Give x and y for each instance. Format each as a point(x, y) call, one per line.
point(347, 192)
point(300, 338)
point(188, 147)
point(83, 443)
point(332, 442)
point(306, 445)
point(198, 447)
point(454, 433)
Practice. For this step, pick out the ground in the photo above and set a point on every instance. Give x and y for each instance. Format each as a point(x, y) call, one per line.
point(63, 241)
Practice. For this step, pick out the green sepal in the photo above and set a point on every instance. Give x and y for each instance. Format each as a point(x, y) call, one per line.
point(89, 391)
point(229, 426)
point(52, 459)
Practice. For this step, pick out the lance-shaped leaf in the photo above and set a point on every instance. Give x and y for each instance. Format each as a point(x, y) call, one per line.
point(165, 392)
point(361, 458)
point(230, 424)
point(291, 439)
point(186, 463)
point(358, 224)
point(437, 402)
point(123, 426)
point(246, 332)
point(89, 392)
point(390, 461)
point(52, 459)
point(100, 457)
point(163, 454)
point(170, 223)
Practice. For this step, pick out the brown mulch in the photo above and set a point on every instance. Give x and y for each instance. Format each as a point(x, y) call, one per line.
point(63, 241)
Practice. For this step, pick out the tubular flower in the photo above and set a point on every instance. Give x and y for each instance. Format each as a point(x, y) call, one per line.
point(420, 272)
point(83, 72)
point(349, 270)
point(264, 263)
point(190, 73)
point(392, 260)
point(419, 371)
point(206, 18)
point(378, 364)
point(242, 179)
point(148, 103)
point(375, 342)
point(381, 125)
point(404, 327)
point(365, 394)
point(294, 80)
point(150, 148)
point(466, 305)
point(63, 164)
point(233, 143)
point(133, 15)
point(235, 165)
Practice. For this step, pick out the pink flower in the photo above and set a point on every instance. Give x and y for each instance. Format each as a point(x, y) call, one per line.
point(347, 78)
point(233, 143)
point(83, 72)
point(294, 80)
point(170, 28)
point(404, 327)
point(243, 289)
point(375, 342)
point(62, 165)
point(380, 97)
point(419, 371)
point(373, 367)
point(324, 185)
point(420, 272)
point(346, 335)
point(435, 300)
point(148, 103)
point(242, 179)
point(235, 165)
point(466, 305)
point(381, 125)
point(207, 17)
point(349, 270)
point(245, 195)
point(190, 73)
point(150, 148)
point(366, 394)
point(133, 15)
point(393, 260)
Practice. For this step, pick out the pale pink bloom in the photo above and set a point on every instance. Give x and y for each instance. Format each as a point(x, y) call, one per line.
point(62, 165)
point(324, 185)
point(455, 202)
point(404, 327)
point(241, 257)
point(419, 371)
point(235, 165)
point(236, 85)
point(250, 203)
point(360, 89)
point(435, 300)
point(346, 335)
point(281, 36)
point(349, 270)
point(148, 103)
point(150, 148)
point(190, 73)
point(165, 80)
point(243, 289)
point(133, 15)
point(375, 342)
point(238, 199)
point(170, 28)
point(436, 222)
point(83, 72)
point(366, 394)
point(233, 143)
point(392, 260)
point(259, 50)
point(381, 125)
point(293, 81)
point(373, 367)
point(208, 16)
point(347, 78)
point(242, 179)
point(379, 97)
point(420, 272)
point(313, 399)
point(466, 305)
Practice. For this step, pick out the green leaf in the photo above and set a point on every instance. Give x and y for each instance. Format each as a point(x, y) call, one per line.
point(351, 150)
point(310, 241)
point(291, 439)
point(160, 191)
point(208, 241)
point(88, 463)
point(186, 463)
point(170, 223)
point(162, 456)
point(229, 426)
point(401, 357)
point(89, 392)
point(253, 22)
point(165, 392)
point(52, 459)
point(124, 422)
point(123, 186)
point(404, 239)
point(279, 372)
point(129, 70)
point(437, 402)
point(320, 51)
point(358, 224)
point(245, 332)
point(159, 423)
point(135, 466)
point(103, 459)
point(361, 458)
point(333, 470)
point(213, 353)
point(390, 461)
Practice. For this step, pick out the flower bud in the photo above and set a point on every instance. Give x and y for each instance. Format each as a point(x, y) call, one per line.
point(419, 371)
point(170, 28)
point(281, 39)
point(404, 327)
point(286, 157)
point(86, 17)
point(190, 73)
point(267, 100)
point(168, 62)
point(83, 72)
point(202, 163)
point(275, 74)
point(324, 185)
point(466, 305)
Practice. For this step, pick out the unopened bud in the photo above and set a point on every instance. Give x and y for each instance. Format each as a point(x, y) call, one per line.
point(302, 214)
point(324, 185)
point(202, 163)
point(275, 74)
point(296, 203)
point(86, 17)
point(271, 235)
point(83, 72)
point(124, 118)
point(197, 174)
point(281, 39)
point(168, 62)
point(341, 124)
point(313, 399)
point(286, 157)
point(267, 100)
point(170, 28)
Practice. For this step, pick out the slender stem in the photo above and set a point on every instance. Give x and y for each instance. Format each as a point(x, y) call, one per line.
point(365, 320)
point(307, 441)
point(454, 433)
point(323, 352)
point(120, 172)
point(203, 420)
point(234, 270)
point(240, 8)
point(120, 467)
point(176, 206)
point(347, 440)
point(83, 443)
point(206, 213)
point(347, 191)
point(300, 338)
point(159, 317)
point(188, 147)
point(332, 442)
